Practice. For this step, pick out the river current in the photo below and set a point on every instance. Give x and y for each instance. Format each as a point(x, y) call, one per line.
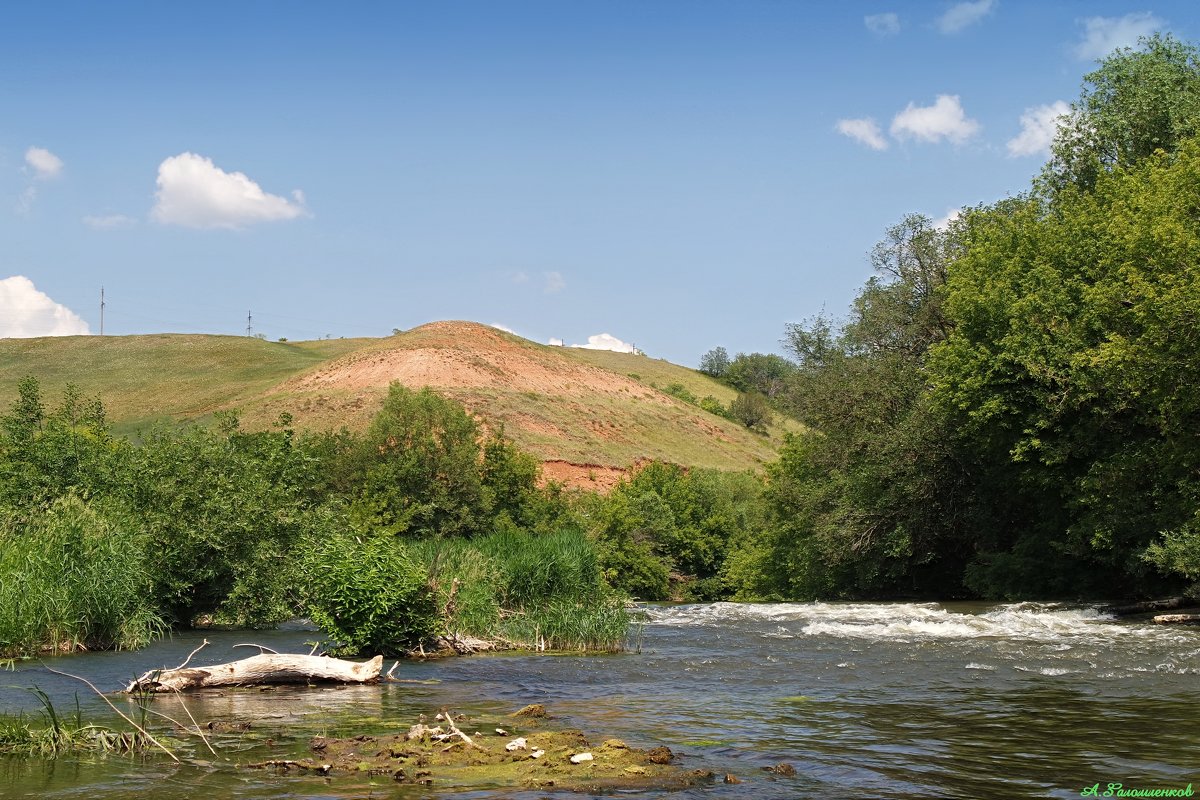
point(863, 700)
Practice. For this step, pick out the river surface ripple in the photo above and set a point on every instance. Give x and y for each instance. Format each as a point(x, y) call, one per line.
point(864, 700)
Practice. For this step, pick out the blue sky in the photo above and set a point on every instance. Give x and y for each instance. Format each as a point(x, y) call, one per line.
point(678, 175)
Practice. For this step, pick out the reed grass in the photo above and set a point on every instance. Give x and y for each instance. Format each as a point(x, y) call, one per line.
point(528, 590)
point(72, 578)
point(562, 626)
point(56, 735)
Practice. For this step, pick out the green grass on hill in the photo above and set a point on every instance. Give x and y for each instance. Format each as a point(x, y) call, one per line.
point(145, 379)
point(179, 378)
point(661, 374)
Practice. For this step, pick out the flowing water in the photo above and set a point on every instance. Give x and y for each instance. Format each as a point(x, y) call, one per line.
point(895, 700)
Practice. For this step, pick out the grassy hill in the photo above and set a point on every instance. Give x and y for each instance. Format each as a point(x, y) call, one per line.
point(590, 408)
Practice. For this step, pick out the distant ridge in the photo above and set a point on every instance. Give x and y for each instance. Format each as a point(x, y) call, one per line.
point(589, 414)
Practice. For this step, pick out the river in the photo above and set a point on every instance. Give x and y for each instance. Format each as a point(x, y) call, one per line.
point(863, 700)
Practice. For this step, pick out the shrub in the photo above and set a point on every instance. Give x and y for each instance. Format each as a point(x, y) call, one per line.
point(370, 594)
point(752, 410)
point(713, 406)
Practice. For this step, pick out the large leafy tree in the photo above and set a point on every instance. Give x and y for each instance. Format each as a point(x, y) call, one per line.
point(871, 501)
point(1073, 361)
point(1139, 100)
point(418, 466)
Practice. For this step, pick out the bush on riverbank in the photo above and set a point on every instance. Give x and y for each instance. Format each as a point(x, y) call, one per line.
point(369, 593)
point(669, 532)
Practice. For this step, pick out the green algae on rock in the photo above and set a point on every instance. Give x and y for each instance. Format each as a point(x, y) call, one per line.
point(519, 750)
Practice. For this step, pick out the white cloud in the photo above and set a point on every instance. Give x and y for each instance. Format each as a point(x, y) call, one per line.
point(45, 165)
point(944, 119)
point(964, 15)
point(195, 193)
point(105, 222)
point(40, 165)
point(520, 276)
point(1102, 35)
point(554, 341)
point(554, 282)
point(1039, 125)
point(504, 328)
point(604, 341)
point(865, 131)
point(25, 312)
point(943, 222)
point(883, 24)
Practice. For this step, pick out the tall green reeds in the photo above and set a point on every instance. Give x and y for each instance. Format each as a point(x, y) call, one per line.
point(73, 577)
point(56, 734)
point(540, 591)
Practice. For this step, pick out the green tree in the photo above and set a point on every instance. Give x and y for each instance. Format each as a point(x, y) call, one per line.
point(752, 410)
point(715, 362)
point(225, 510)
point(419, 467)
point(369, 593)
point(765, 373)
point(1072, 365)
point(875, 498)
point(45, 456)
point(1139, 100)
point(509, 478)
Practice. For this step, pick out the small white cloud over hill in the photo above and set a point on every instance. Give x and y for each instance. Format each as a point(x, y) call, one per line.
point(883, 24)
point(195, 193)
point(865, 131)
point(25, 312)
point(605, 341)
point(963, 15)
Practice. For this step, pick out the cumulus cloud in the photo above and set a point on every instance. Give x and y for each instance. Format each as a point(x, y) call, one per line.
point(1102, 35)
point(553, 282)
point(1039, 124)
point(45, 165)
point(504, 328)
point(103, 222)
point(864, 131)
point(554, 341)
point(25, 312)
point(964, 15)
point(195, 193)
point(944, 119)
point(605, 341)
point(883, 24)
point(40, 165)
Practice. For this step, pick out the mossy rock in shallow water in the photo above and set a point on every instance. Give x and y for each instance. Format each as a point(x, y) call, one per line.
point(513, 751)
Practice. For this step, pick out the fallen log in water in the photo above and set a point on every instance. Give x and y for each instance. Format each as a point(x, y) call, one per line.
point(260, 669)
point(1177, 619)
point(1146, 606)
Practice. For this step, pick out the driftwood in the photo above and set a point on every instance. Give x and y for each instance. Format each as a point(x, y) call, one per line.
point(260, 669)
point(1147, 606)
point(1177, 619)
